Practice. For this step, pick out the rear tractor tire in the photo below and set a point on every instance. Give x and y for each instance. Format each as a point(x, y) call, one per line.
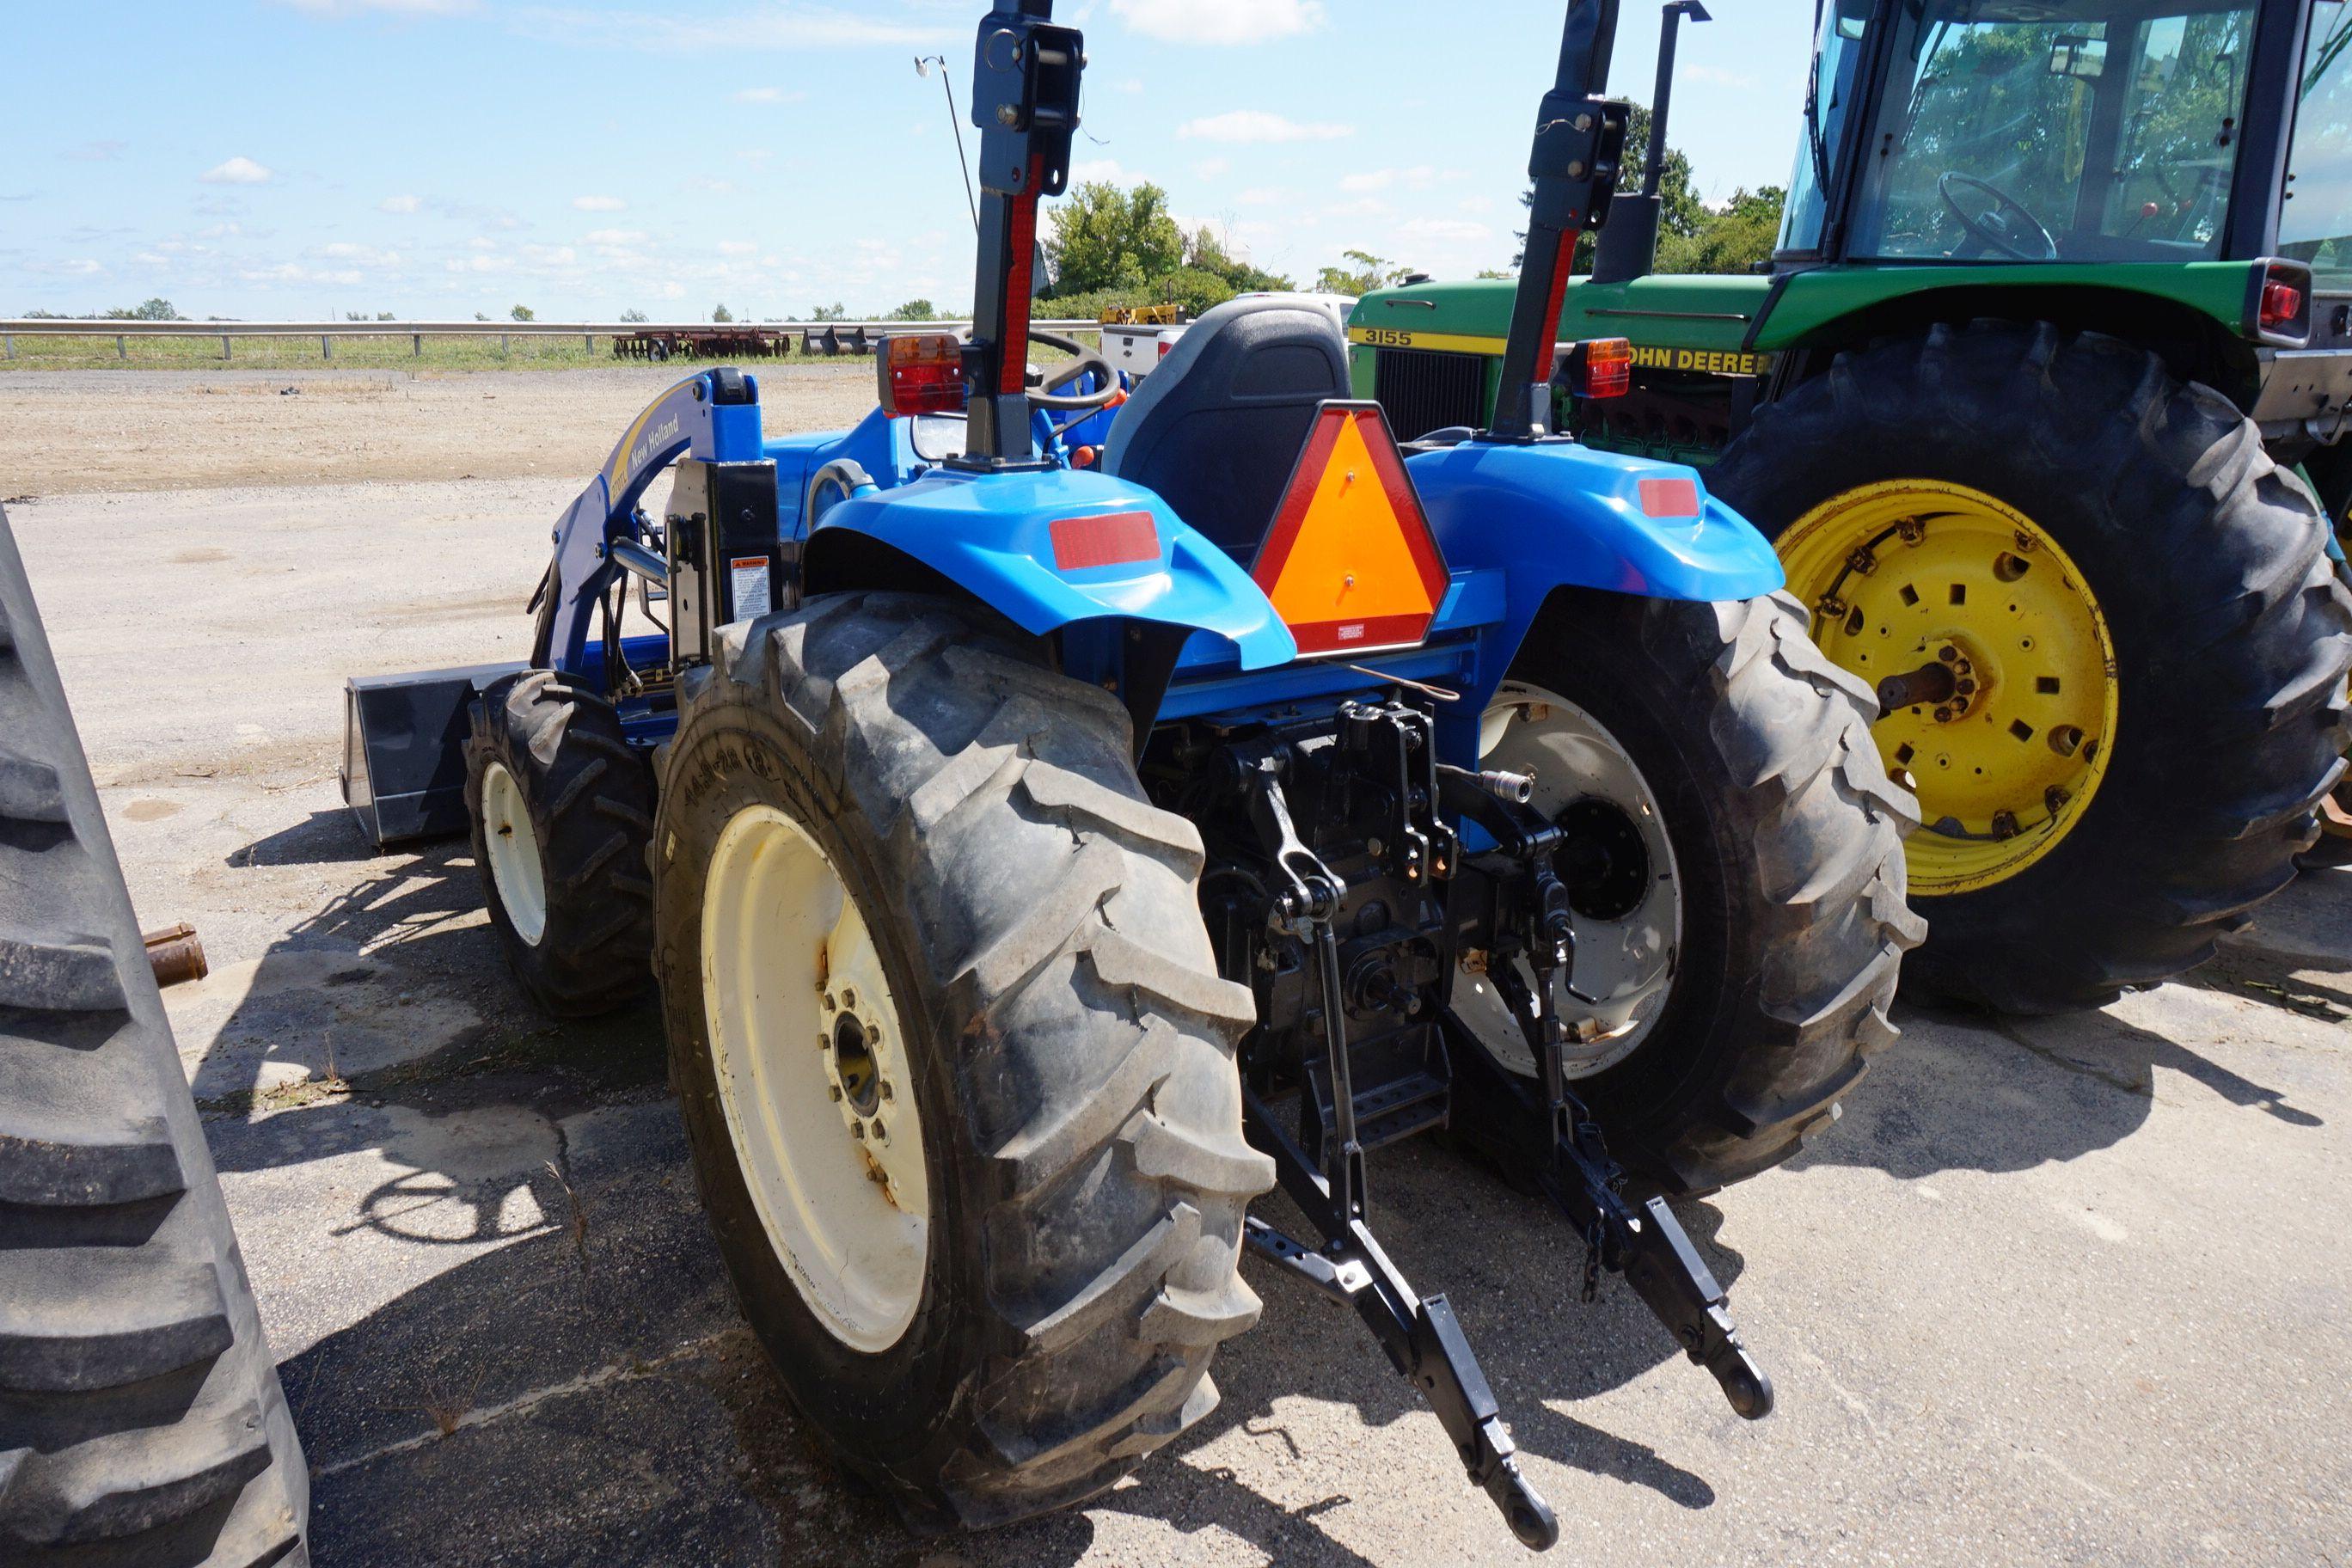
point(140, 1420)
point(2112, 644)
point(563, 811)
point(954, 1060)
point(1735, 868)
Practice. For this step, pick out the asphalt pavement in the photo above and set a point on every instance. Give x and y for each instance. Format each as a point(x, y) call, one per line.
point(2065, 1291)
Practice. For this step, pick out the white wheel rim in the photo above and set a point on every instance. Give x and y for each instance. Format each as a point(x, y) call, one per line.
point(512, 844)
point(1629, 960)
point(826, 1135)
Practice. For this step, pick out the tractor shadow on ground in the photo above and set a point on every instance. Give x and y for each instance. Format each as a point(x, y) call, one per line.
point(595, 1398)
point(1965, 1090)
point(389, 1019)
point(569, 1379)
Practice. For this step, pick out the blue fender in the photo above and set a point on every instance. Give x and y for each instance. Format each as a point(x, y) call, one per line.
point(1557, 514)
point(1517, 522)
point(1009, 541)
point(689, 419)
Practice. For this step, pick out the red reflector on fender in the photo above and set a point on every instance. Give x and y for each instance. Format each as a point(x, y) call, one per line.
point(1112, 541)
point(1670, 498)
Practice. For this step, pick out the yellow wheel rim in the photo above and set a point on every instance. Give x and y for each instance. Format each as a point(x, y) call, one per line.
point(1962, 609)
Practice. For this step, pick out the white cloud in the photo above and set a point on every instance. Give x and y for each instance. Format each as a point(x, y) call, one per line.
point(1258, 196)
point(80, 267)
point(97, 151)
point(1477, 203)
point(1445, 230)
point(399, 203)
point(364, 255)
point(784, 25)
point(236, 172)
point(599, 203)
point(737, 247)
point(1419, 178)
point(1089, 169)
point(615, 237)
point(480, 243)
point(714, 187)
point(1255, 125)
point(1220, 21)
point(768, 95)
point(1213, 168)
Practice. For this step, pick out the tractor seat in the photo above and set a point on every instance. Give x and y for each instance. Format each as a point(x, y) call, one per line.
point(1217, 425)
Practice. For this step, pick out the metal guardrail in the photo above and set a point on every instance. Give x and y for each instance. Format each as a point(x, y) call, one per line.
point(121, 332)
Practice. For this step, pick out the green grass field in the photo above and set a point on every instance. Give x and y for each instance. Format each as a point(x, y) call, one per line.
point(392, 352)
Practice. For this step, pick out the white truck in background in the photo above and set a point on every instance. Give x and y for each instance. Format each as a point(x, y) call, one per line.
point(1138, 343)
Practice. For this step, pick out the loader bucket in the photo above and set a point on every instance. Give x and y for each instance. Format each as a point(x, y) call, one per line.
point(403, 768)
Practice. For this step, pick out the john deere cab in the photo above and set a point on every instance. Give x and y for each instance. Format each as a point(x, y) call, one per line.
point(2042, 401)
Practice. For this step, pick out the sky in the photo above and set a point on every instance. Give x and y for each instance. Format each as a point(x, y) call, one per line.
point(300, 158)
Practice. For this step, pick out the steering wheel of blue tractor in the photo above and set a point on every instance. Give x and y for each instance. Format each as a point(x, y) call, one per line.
point(2000, 238)
point(1048, 394)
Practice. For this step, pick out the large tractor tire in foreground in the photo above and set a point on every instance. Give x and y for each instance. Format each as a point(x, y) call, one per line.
point(1735, 870)
point(2114, 645)
point(562, 810)
point(954, 1058)
point(140, 1421)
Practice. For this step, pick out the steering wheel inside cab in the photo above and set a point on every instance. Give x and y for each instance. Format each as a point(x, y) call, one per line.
point(2010, 228)
point(1048, 389)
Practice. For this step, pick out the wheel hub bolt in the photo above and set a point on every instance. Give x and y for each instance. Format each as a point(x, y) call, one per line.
point(1949, 654)
point(2004, 825)
point(2055, 798)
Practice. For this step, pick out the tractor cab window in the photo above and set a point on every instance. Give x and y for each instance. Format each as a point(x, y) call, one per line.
point(2316, 223)
point(1838, 55)
point(2020, 130)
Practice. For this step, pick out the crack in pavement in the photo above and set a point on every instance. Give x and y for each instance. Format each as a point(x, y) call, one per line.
point(618, 1371)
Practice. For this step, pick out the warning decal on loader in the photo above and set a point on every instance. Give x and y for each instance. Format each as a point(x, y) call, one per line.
point(747, 587)
point(1349, 562)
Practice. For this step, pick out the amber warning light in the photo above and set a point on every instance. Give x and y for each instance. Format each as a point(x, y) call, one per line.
point(1350, 565)
point(1597, 367)
point(921, 373)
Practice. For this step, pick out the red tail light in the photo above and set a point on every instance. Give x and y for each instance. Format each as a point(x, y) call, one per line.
point(1600, 367)
point(2281, 306)
point(1165, 344)
point(921, 373)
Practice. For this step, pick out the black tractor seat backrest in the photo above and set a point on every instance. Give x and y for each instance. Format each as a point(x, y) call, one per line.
point(1217, 426)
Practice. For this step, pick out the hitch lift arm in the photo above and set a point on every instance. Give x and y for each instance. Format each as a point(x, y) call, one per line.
point(1420, 1334)
point(1556, 1136)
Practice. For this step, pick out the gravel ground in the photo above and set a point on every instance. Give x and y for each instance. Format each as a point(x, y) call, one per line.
point(2056, 1292)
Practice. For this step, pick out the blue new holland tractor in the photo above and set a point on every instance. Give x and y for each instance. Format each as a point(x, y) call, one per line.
point(1055, 816)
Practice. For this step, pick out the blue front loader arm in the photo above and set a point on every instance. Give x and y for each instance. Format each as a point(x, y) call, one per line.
point(689, 418)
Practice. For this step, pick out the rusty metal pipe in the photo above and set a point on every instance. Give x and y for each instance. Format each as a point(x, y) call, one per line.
point(176, 955)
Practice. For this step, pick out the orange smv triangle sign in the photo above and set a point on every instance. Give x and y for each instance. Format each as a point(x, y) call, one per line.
point(1349, 564)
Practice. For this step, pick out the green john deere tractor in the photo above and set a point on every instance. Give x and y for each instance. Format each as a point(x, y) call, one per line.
point(2041, 400)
